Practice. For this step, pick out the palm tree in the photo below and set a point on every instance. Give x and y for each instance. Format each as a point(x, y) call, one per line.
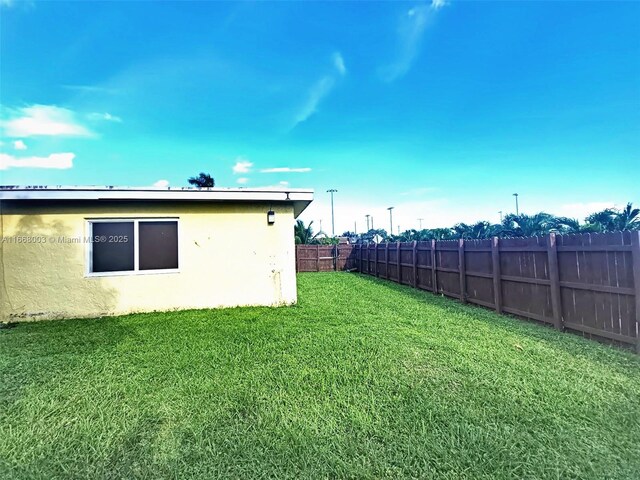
point(203, 180)
point(304, 234)
point(523, 225)
point(612, 219)
point(628, 218)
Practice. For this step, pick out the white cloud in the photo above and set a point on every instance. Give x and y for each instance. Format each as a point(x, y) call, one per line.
point(437, 4)
point(317, 92)
point(320, 90)
point(411, 29)
point(338, 61)
point(104, 116)
point(285, 170)
point(55, 160)
point(19, 145)
point(242, 166)
point(242, 180)
point(161, 184)
point(283, 183)
point(46, 120)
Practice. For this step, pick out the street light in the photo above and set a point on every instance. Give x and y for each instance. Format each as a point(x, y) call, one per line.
point(517, 211)
point(500, 212)
point(367, 221)
point(390, 220)
point(420, 220)
point(333, 225)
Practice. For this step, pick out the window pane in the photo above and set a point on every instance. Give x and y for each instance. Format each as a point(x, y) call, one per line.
point(158, 244)
point(112, 246)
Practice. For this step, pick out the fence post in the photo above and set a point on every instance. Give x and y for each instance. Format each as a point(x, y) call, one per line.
point(434, 277)
point(497, 283)
point(398, 262)
point(415, 264)
point(554, 277)
point(635, 255)
point(317, 258)
point(297, 259)
point(463, 271)
point(386, 260)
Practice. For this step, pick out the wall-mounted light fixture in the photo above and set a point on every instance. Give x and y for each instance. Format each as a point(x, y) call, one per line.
point(271, 217)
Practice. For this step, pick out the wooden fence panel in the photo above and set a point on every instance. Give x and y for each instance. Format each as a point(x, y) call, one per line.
point(423, 253)
point(597, 285)
point(479, 272)
point(393, 262)
point(406, 263)
point(447, 268)
point(524, 275)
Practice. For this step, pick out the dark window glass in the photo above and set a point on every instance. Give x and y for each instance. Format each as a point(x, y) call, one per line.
point(112, 246)
point(158, 242)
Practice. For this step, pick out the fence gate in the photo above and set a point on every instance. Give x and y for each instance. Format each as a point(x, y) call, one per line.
point(325, 258)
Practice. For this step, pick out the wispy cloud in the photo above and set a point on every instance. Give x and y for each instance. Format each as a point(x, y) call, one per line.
point(242, 165)
point(320, 89)
point(19, 145)
point(338, 61)
point(55, 160)
point(285, 170)
point(104, 116)
point(44, 120)
point(284, 183)
point(242, 180)
point(411, 28)
point(90, 89)
point(161, 184)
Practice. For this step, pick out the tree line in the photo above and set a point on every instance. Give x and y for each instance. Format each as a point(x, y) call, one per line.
point(512, 225)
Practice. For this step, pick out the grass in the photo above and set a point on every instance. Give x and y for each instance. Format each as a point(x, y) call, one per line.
point(362, 379)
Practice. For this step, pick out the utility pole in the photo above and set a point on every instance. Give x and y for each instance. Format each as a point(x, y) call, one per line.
point(333, 225)
point(420, 220)
point(517, 210)
point(321, 225)
point(390, 220)
point(367, 221)
point(355, 227)
point(500, 212)
point(372, 223)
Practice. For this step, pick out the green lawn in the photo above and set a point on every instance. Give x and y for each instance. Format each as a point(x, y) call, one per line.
point(362, 379)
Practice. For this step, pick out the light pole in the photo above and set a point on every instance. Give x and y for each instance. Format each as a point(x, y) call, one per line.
point(372, 222)
point(367, 221)
point(390, 220)
point(333, 225)
point(355, 227)
point(420, 220)
point(500, 212)
point(517, 211)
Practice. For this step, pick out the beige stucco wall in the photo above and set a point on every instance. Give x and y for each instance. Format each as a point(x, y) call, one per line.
point(229, 256)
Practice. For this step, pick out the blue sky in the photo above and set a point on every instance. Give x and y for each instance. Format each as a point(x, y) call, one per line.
point(441, 109)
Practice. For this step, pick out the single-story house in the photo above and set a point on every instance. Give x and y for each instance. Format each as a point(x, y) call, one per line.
point(71, 252)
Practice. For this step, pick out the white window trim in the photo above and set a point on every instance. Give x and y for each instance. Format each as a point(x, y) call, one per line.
point(136, 253)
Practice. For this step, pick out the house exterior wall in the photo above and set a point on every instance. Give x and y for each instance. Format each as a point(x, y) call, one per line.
point(228, 256)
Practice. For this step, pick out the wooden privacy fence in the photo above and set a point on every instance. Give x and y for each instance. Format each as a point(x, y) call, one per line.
point(325, 258)
point(587, 283)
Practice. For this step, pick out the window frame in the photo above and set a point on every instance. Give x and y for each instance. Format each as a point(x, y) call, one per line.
point(136, 246)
